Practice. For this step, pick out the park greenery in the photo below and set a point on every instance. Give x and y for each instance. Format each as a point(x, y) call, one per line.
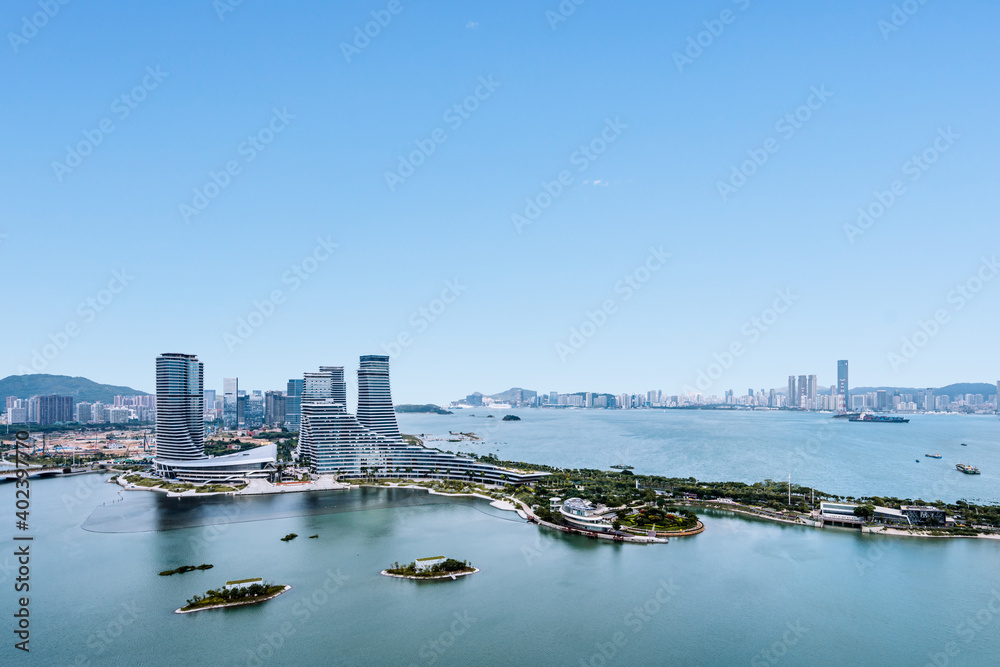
point(232, 596)
point(623, 488)
point(446, 567)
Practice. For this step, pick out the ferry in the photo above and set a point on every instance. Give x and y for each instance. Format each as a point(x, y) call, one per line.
point(878, 419)
point(968, 470)
point(933, 456)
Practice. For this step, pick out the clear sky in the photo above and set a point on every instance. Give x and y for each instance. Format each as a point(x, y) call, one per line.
point(308, 115)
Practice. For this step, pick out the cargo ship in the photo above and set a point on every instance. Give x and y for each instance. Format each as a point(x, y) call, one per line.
point(968, 470)
point(878, 419)
point(933, 456)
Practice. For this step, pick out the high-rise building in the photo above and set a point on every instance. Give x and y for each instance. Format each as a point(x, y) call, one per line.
point(803, 386)
point(54, 409)
point(180, 426)
point(209, 400)
point(274, 408)
point(338, 385)
point(375, 409)
point(83, 413)
point(842, 385)
point(230, 392)
point(293, 404)
point(881, 400)
point(333, 441)
point(813, 390)
point(793, 396)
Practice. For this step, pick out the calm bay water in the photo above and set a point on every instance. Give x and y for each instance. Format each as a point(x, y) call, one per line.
point(834, 455)
point(743, 592)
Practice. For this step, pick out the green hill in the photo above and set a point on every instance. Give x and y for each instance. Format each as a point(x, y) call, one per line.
point(81, 389)
point(429, 408)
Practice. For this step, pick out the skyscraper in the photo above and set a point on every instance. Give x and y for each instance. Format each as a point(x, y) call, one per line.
point(375, 410)
point(230, 391)
point(812, 391)
point(842, 388)
point(333, 441)
point(803, 386)
point(180, 427)
point(293, 404)
point(793, 397)
point(274, 408)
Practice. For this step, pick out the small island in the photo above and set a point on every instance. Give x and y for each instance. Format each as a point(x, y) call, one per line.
point(435, 567)
point(511, 418)
point(289, 537)
point(428, 408)
point(234, 594)
point(186, 568)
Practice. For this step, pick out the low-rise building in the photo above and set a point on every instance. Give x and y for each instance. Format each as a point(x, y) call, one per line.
point(424, 564)
point(584, 515)
point(924, 515)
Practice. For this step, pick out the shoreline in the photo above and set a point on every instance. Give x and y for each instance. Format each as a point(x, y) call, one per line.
point(453, 576)
point(182, 610)
point(525, 513)
point(876, 529)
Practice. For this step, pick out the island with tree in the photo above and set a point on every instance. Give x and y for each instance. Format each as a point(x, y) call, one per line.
point(435, 567)
point(234, 594)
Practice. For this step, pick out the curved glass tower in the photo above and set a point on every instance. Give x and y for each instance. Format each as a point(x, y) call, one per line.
point(375, 410)
point(180, 425)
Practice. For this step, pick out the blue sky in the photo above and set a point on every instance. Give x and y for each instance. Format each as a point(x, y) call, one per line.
point(329, 126)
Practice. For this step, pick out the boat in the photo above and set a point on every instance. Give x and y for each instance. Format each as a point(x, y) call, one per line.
point(878, 419)
point(964, 445)
point(967, 469)
point(933, 456)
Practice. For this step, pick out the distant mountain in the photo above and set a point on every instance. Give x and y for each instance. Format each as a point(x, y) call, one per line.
point(81, 389)
point(511, 393)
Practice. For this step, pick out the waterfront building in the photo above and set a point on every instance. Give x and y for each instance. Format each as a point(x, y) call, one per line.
point(180, 429)
point(793, 396)
point(333, 441)
point(803, 386)
point(584, 515)
point(424, 564)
